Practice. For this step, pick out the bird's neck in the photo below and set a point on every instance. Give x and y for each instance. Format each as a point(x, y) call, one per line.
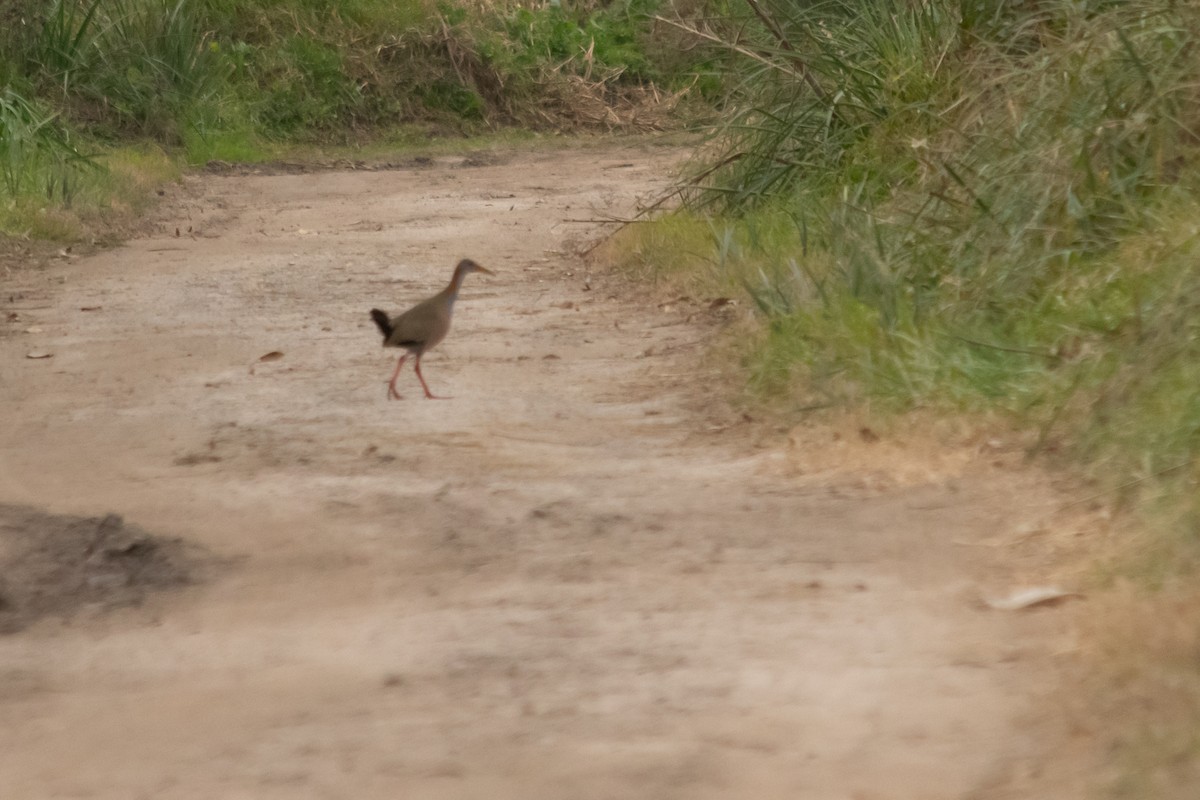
point(451, 291)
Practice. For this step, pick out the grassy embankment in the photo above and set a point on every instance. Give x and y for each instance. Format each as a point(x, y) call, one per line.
point(102, 99)
point(984, 207)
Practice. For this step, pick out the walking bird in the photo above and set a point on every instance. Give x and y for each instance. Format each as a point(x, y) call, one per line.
point(420, 328)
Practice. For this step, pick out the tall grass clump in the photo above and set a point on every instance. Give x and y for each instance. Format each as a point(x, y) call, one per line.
point(51, 187)
point(141, 67)
point(223, 75)
point(35, 152)
point(979, 209)
point(244, 80)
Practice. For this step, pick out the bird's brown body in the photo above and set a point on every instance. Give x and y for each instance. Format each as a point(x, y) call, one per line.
point(422, 327)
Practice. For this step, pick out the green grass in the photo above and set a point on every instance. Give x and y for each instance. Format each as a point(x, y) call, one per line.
point(106, 198)
point(225, 142)
point(934, 216)
point(45, 177)
point(249, 80)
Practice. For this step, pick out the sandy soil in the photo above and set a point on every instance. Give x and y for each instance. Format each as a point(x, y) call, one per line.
point(582, 577)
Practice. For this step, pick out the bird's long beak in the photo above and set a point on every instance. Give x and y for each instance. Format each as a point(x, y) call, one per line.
point(484, 270)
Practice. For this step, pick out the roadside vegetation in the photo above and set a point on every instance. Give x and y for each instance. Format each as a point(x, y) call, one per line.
point(976, 212)
point(99, 97)
point(977, 206)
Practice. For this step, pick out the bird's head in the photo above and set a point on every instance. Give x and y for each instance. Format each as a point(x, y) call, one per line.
point(467, 266)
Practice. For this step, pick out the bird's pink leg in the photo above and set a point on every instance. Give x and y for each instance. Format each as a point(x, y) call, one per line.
point(392, 393)
point(428, 394)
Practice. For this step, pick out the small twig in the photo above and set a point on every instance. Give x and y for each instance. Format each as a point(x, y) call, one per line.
point(737, 48)
point(1126, 485)
point(603, 220)
point(672, 192)
point(636, 218)
point(670, 348)
point(797, 62)
point(1044, 433)
point(1021, 350)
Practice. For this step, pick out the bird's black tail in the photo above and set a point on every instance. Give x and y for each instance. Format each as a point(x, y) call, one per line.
point(381, 319)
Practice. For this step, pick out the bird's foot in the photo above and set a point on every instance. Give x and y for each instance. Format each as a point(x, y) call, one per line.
point(393, 394)
point(429, 396)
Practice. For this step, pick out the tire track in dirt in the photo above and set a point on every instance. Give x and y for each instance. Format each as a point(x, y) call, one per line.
point(580, 577)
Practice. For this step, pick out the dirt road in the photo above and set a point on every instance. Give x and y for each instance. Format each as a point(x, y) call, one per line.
point(582, 577)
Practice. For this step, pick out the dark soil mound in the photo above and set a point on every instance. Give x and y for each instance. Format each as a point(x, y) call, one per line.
point(56, 565)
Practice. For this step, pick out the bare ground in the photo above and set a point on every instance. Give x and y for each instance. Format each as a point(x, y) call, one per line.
point(583, 577)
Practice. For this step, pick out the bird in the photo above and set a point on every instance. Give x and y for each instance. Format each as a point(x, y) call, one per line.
point(419, 329)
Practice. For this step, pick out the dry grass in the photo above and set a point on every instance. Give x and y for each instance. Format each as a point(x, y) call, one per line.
point(582, 102)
